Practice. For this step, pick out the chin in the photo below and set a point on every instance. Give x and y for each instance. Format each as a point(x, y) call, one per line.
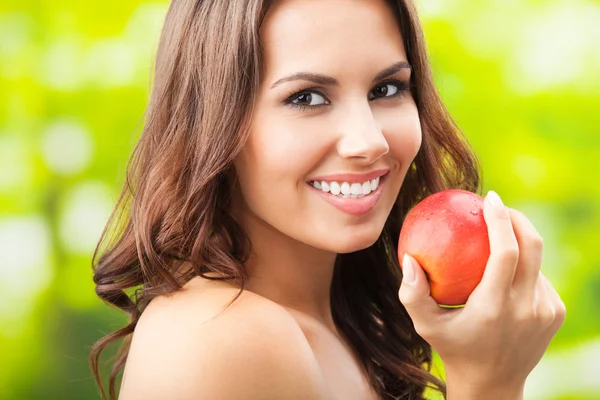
point(351, 243)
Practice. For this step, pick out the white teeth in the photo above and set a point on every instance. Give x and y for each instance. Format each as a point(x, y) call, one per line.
point(345, 188)
point(374, 183)
point(334, 188)
point(356, 188)
point(366, 187)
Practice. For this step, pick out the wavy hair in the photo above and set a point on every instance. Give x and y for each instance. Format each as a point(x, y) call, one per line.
point(173, 207)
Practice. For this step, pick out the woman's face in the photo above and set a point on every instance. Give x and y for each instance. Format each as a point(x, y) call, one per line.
point(357, 117)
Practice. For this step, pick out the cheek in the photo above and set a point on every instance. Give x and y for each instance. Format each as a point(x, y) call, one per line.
point(280, 151)
point(274, 163)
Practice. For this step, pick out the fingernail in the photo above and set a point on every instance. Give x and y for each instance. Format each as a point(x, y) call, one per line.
point(408, 270)
point(494, 199)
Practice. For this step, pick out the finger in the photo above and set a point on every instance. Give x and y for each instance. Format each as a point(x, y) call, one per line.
point(504, 249)
point(415, 295)
point(530, 253)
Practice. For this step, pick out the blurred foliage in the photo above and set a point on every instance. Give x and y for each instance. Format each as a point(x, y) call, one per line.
point(519, 77)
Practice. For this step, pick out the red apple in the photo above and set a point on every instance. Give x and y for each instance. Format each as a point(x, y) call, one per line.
point(447, 235)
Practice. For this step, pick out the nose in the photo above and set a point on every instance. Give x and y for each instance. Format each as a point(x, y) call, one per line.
point(360, 136)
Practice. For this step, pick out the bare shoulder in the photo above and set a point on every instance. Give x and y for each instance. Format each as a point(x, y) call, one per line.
point(184, 347)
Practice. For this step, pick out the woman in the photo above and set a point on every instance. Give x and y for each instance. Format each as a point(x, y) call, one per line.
point(285, 142)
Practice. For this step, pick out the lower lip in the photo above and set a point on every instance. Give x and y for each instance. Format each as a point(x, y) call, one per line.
point(358, 206)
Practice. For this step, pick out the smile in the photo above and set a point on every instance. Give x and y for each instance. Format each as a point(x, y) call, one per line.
point(352, 190)
point(354, 198)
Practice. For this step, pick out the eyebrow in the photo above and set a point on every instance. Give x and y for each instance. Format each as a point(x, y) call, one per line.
point(328, 80)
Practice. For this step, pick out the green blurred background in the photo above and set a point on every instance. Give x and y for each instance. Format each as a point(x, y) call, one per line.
point(520, 77)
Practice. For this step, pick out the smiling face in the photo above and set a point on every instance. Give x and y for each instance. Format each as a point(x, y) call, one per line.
point(359, 119)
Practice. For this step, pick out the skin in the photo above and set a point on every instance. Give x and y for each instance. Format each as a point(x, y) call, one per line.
point(489, 346)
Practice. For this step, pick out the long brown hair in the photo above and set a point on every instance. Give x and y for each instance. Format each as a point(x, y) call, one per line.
point(173, 207)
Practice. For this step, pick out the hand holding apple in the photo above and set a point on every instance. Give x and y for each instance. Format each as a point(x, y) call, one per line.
point(490, 346)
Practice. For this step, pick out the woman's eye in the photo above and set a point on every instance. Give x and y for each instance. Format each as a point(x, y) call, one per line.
point(387, 90)
point(306, 99)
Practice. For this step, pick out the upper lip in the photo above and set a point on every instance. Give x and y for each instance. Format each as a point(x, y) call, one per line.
point(352, 177)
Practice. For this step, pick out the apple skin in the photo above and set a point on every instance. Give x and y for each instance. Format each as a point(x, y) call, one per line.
point(447, 235)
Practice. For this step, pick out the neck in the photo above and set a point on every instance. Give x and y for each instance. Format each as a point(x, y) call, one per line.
point(289, 272)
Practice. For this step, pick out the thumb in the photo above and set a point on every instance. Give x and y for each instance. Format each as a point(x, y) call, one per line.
point(415, 294)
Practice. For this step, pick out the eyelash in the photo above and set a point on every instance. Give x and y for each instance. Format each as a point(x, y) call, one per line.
point(403, 87)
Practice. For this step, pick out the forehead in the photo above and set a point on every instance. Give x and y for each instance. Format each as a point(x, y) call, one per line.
point(330, 35)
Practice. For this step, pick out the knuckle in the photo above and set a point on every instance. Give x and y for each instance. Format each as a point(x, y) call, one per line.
point(547, 316)
point(424, 331)
point(561, 312)
point(539, 240)
point(535, 241)
point(405, 298)
point(509, 255)
point(408, 300)
point(524, 315)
